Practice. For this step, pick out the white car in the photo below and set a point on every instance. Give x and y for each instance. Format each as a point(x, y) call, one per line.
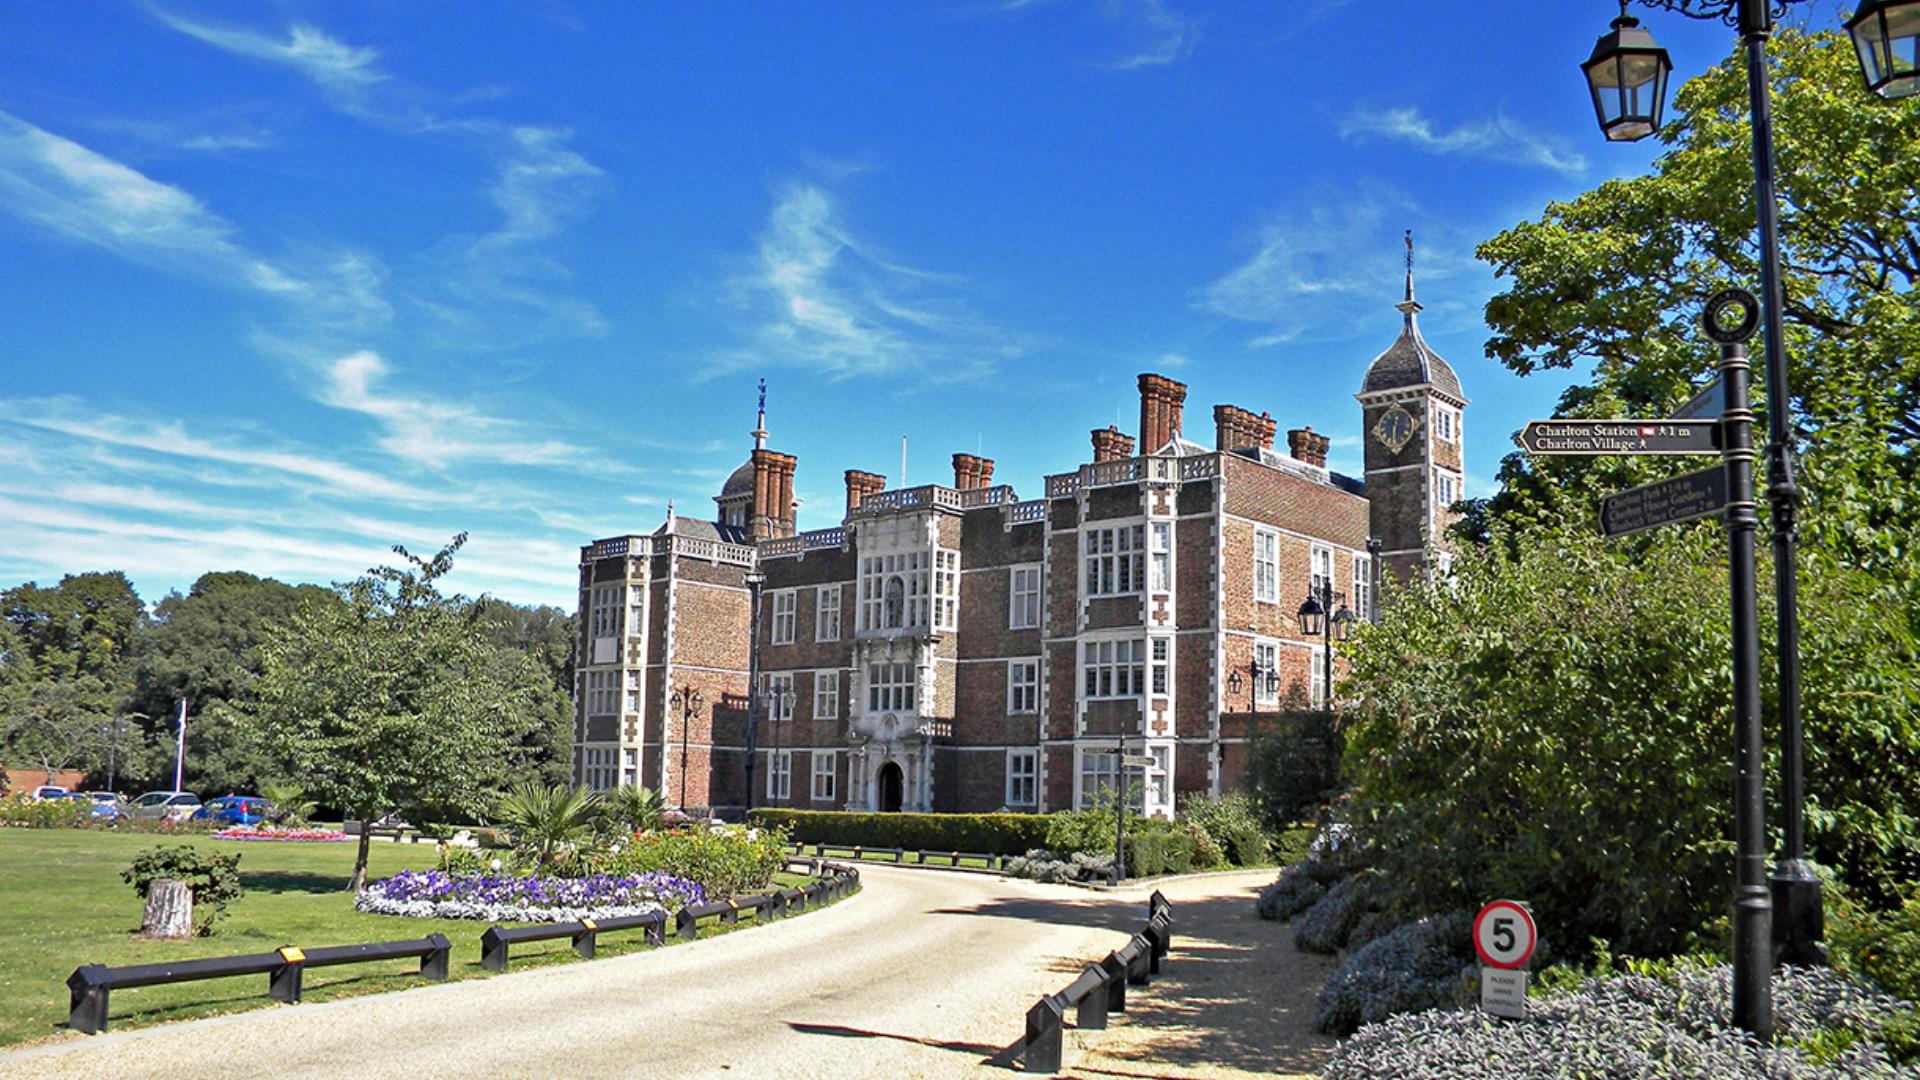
point(168, 805)
point(49, 791)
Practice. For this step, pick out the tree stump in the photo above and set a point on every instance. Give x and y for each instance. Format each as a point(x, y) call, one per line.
point(169, 912)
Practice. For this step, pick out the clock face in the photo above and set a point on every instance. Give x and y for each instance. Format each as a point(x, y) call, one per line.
point(1395, 428)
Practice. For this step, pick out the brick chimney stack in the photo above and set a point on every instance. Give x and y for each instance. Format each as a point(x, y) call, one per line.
point(1305, 446)
point(1160, 402)
point(1266, 429)
point(772, 515)
point(971, 472)
point(1235, 428)
point(861, 484)
point(1110, 445)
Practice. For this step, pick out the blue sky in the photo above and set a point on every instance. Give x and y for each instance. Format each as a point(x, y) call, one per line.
point(288, 283)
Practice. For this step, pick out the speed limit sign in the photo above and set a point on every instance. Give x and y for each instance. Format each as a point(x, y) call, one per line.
point(1504, 935)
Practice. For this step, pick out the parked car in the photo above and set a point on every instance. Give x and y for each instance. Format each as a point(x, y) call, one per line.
point(107, 805)
point(165, 805)
point(235, 810)
point(50, 791)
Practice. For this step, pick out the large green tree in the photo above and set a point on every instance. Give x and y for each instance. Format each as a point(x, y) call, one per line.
point(394, 699)
point(64, 659)
point(1616, 278)
point(205, 646)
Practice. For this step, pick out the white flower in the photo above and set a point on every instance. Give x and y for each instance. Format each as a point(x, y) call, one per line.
point(495, 864)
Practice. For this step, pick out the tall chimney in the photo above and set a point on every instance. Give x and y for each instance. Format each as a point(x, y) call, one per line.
point(861, 484)
point(1235, 428)
point(966, 471)
point(784, 518)
point(1265, 428)
point(1160, 401)
point(1110, 445)
point(986, 473)
point(1305, 446)
point(765, 490)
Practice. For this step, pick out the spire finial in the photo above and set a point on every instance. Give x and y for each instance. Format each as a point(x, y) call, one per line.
point(760, 423)
point(669, 515)
point(1409, 306)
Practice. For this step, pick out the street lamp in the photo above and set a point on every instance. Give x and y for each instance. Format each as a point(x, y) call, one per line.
point(1315, 622)
point(1255, 673)
point(1627, 75)
point(1886, 34)
point(779, 707)
point(687, 700)
point(754, 581)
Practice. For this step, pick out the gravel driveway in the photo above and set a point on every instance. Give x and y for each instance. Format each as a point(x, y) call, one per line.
point(921, 974)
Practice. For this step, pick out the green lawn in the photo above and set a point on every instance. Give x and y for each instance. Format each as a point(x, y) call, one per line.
point(64, 905)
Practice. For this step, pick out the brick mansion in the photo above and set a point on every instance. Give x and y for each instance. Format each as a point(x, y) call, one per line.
point(959, 648)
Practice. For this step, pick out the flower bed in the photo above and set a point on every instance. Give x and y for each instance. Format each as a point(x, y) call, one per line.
point(309, 836)
point(435, 894)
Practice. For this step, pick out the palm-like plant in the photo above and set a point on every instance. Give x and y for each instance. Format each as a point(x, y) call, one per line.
point(545, 821)
point(634, 809)
point(289, 802)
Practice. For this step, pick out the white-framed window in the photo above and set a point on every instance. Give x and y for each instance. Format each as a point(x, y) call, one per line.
point(633, 690)
point(1160, 778)
point(1317, 692)
point(826, 695)
point(946, 589)
point(1099, 779)
point(890, 687)
point(893, 591)
point(1160, 652)
point(603, 692)
point(1023, 598)
point(1115, 560)
point(779, 696)
point(1113, 669)
point(1446, 489)
point(636, 599)
point(780, 774)
point(1446, 424)
point(785, 603)
point(630, 767)
point(1322, 561)
point(604, 615)
point(826, 767)
point(1266, 672)
point(1363, 587)
point(1266, 566)
point(826, 613)
point(1023, 777)
point(1023, 686)
point(1160, 556)
point(596, 767)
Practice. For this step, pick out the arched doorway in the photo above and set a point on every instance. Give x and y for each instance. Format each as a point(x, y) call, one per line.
point(892, 785)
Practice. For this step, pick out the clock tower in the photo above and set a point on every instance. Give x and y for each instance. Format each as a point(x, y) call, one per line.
point(1411, 406)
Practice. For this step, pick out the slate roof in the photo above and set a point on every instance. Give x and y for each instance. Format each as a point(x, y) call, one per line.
point(740, 482)
point(1410, 361)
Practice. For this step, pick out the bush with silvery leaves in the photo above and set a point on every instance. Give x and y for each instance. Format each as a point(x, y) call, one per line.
point(1039, 864)
point(1421, 965)
point(1323, 929)
point(1298, 888)
point(1827, 1027)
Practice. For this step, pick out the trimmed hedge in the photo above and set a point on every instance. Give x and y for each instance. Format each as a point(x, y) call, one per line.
point(985, 834)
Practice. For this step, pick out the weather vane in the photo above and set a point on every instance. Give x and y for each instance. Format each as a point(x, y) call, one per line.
point(763, 395)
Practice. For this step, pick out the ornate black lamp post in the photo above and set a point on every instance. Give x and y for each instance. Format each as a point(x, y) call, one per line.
point(755, 581)
point(1627, 76)
point(1315, 622)
point(1255, 673)
point(687, 700)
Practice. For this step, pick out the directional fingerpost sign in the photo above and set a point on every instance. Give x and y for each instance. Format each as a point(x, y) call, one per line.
point(1504, 935)
point(1708, 404)
point(1664, 502)
point(1550, 437)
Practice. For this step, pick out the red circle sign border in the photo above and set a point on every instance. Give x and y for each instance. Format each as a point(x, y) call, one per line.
point(1533, 935)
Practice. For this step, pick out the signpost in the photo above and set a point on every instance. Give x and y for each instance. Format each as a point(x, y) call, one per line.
point(1708, 404)
point(1552, 437)
point(1504, 936)
point(1665, 502)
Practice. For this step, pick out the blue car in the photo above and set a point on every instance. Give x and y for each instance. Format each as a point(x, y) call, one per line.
point(234, 810)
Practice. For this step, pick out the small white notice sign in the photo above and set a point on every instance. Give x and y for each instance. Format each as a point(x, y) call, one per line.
point(1503, 992)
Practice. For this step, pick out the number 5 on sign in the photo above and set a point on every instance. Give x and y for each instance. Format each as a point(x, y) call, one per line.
point(1504, 936)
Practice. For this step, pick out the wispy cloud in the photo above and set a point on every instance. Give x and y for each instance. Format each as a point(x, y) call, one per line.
point(1498, 138)
point(434, 432)
point(833, 304)
point(1162, 34)
point(79, 193)
point(332, 64)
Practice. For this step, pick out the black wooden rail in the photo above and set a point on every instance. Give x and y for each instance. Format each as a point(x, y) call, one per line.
point(920, 857)
point(584, 932)
point(1100, 989)
point(91, 984)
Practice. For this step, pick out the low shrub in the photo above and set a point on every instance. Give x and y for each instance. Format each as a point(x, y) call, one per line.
point(1152, 852)
point(1293, 844)
point(214, 880)
point(1042, 865)
point(986, 834)
point(1827, 1027)
point(725, 861)
point(1299, 887)
point(1232, 823)
point(1421, 965)
point(25, 812)
point(1880, 946)
point(1325, 926)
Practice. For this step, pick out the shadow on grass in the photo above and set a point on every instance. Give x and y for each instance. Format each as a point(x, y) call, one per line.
point(293, 881)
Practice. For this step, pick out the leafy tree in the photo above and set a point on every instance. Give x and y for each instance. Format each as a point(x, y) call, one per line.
point(1617, 276)
point(392, 698)
point(65, 654)
point(206, 647)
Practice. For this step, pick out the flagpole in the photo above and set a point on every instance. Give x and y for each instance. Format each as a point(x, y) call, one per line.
point(180, 750)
